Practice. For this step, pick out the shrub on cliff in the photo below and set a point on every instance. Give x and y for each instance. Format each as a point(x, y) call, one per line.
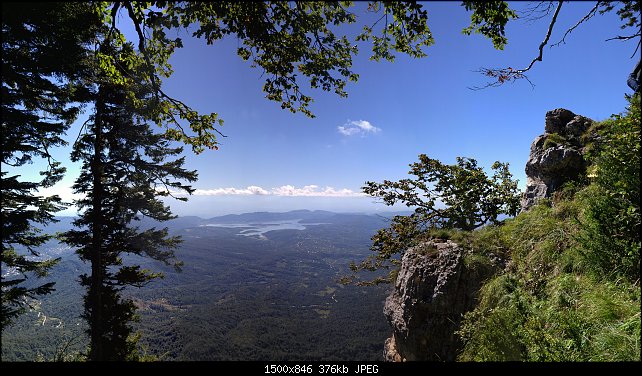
point(460, 196)
point(611, 226)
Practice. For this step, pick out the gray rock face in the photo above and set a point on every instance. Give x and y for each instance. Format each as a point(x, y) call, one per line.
point(557, 119)
point(548, 168)
point(432, 292)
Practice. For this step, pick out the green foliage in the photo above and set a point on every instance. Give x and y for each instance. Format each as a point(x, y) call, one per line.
point(579, 319)
point(628, 11)
point(591, 139)
point(568, 190)
point(611, 227)
point(124, 173)
point(41, 52)
point(469, 197)
point(285, 40)
point(443, 233)
point(547, 305)
point(405, 25)
point(554, 139)
point(444, 197)
point(489, 19)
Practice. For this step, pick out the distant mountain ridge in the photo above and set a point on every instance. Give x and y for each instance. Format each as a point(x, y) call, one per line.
point(183, 222)
point(303, 215)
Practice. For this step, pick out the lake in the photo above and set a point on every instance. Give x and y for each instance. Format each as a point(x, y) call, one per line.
point(260, 228)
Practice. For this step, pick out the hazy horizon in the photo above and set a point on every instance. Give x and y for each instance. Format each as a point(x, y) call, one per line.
point(385, 210)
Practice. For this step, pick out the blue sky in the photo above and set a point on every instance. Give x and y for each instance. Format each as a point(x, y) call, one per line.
point(273, 160)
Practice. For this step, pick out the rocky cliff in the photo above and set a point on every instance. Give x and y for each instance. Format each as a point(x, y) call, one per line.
point(556, 156)
point(436, 285)
point(434, 288)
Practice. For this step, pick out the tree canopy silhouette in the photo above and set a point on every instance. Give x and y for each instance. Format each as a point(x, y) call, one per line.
point(43, 50)
point(459, 196)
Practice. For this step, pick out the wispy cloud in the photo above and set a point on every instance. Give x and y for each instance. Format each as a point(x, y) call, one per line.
point(283, 191)
point(251, 190)
point(66, 193)
point(357, 127)
point(313, 191)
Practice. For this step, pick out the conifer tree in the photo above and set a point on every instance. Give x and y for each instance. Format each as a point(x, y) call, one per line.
point(125, 170)
point(43, 47)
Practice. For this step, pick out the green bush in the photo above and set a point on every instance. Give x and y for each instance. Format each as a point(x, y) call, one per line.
point(445, 198)
point(554, 139)
point(611, 226)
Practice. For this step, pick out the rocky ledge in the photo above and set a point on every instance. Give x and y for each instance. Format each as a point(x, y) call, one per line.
point(434, 288)
point(556, 156)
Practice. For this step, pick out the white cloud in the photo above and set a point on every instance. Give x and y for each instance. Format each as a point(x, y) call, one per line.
point(66, 193)
point(251, 190)
point(360, 127)
point(283, 191)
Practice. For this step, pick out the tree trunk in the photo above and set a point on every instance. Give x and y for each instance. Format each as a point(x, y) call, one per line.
point(96, 318)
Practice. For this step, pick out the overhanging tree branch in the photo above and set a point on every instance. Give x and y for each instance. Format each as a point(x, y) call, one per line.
point(184, 111)
point(637, 47)
point(503, 75)
point(588, 16)
point(627, 13)
point(536, 13)
point(627, 37)
point(545, 41)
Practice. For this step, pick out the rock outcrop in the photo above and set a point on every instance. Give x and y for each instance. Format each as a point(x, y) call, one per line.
point(556, 156)
point(434, 288)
